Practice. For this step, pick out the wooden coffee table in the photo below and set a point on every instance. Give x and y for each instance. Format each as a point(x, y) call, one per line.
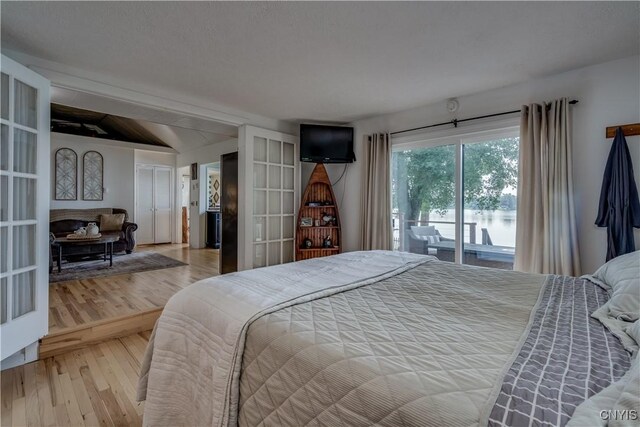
point(105, 240)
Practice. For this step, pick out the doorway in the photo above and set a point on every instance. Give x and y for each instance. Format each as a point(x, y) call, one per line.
point(184, 205)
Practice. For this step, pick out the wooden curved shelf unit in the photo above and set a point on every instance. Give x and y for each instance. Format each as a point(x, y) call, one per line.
point(318, 190)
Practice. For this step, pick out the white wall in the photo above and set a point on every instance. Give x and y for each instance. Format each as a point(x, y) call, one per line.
point(608, 95)
point(119, 172)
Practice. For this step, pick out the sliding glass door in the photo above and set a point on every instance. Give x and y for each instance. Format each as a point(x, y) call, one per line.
point(455, 197)
point(423, 192)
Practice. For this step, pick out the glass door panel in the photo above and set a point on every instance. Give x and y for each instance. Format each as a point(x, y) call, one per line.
point(260, 149)
point(26, 98)
point(24, 192)
point(3, 300)
point(490, 176)
point(259, 255)
point(423, 186)
point(24, 151)
point(24, 246)
point(4, 97)
point(274, 253)
point(24, 293)
point(4, 147)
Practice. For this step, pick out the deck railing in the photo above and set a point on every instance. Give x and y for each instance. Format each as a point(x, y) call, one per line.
point(401, 225)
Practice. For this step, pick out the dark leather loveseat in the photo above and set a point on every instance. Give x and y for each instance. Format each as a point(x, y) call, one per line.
point(66, 221)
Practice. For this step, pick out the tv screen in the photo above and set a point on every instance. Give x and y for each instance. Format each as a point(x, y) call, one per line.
point(326, 144)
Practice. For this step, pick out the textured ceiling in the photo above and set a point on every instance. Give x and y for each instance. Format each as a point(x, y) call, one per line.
point(333, 61)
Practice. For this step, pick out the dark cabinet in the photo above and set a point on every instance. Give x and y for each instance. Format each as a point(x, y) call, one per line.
point(213, 229)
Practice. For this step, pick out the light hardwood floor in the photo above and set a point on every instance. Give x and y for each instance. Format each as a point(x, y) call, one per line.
point(93, 386)
point(78, 302)
point(96, 385)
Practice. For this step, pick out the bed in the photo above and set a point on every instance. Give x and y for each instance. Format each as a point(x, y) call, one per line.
point(385, 338)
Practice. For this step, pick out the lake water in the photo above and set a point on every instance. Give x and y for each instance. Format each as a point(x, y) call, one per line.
point(500, 224)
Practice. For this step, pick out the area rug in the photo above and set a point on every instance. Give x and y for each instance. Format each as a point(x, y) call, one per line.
point(122, 264)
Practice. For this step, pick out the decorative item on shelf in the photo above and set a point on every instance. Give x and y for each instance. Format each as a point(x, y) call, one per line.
point(327, 203)
point(307, 243)
point(317, 223)
point(314, 204)
point(92, 229)
point(82, 231)
point(327, 243)
point(306, 221)
point(328, 219)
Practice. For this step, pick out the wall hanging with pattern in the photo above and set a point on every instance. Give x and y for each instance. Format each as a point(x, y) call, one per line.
point(93, 167)
point(66, 174)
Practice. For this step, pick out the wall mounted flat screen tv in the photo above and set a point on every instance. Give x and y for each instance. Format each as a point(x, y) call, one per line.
point(326, 144)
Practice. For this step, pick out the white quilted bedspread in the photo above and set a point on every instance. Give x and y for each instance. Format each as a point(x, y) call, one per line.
point(190, 374)
point(422, 348)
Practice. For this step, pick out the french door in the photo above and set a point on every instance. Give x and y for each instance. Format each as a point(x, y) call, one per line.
point(24, 207)
point(454, 197)
point(269, 174)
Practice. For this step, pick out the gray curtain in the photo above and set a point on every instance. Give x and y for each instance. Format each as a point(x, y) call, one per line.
point(546, 232)
point(376, 194)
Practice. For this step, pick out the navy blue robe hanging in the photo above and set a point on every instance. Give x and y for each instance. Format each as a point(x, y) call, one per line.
point(619, 208)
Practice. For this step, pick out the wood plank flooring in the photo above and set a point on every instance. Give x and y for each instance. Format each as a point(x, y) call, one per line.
point(96, 385)
point(93, 386)
point(78, 302)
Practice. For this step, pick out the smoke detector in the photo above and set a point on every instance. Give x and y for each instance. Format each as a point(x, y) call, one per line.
point(452, 105)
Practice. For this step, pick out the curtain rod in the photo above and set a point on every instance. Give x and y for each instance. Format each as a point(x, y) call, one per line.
point(455, 122)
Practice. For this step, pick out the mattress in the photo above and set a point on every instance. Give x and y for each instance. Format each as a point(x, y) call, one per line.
point(363, 338)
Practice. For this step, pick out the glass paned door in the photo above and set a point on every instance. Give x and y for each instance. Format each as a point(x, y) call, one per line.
point(490, 195)
point(455, 197)
point(424, 207)
point(273, 214)
point(269, 166)
point(24, 196)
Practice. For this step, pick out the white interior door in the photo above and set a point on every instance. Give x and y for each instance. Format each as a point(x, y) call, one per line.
point(144, 205)
point(24, 207)
point(269, 175)
point(163, 210)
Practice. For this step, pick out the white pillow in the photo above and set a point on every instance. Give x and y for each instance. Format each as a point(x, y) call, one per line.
point(622, 275)
point(434, 239)
point(423, 230)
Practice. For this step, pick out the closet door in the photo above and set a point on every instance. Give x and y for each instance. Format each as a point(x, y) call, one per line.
point(163, 204)
point(24, 208)
point(145, 217)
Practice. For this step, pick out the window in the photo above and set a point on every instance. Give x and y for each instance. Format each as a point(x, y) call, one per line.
point(455, 197)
